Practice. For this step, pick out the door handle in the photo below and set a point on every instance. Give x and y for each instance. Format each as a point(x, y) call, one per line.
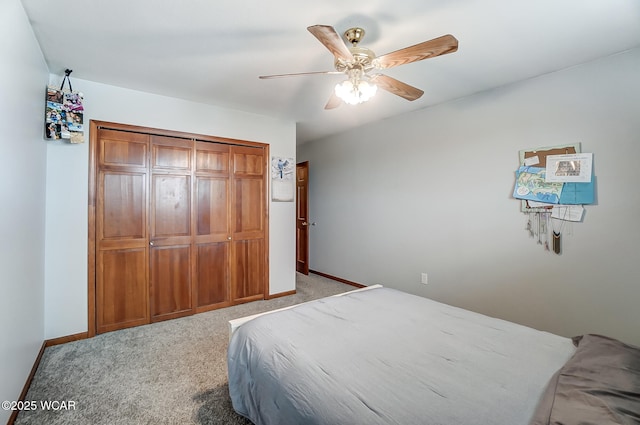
point(304, 223)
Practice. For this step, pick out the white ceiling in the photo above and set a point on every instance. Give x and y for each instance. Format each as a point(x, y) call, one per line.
point(212, 51)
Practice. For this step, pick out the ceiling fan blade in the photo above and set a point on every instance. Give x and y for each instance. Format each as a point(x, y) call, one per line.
point(332, 41)
point(334, 101)
point(428, 49)
point(396, 87)
point(265, 77)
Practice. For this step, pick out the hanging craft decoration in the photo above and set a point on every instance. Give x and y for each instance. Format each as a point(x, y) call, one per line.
point(64, 113)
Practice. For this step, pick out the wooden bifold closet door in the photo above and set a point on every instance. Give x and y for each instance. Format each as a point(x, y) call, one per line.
point(180, 225)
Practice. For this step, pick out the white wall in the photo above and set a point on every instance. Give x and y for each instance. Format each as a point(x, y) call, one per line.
point(67, 189)
point(23, 79)
point(431, 192)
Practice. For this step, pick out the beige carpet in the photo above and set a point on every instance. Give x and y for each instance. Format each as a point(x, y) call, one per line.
point(171, 372)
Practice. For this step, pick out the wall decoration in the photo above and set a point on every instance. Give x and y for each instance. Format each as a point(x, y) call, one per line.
point(552, 185)
point(574, 168)
point(64, 113)
point(283, 179)
point(532, 185)
point(538, 158)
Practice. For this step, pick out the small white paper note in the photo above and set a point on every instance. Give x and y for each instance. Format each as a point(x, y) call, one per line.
point(568, 212)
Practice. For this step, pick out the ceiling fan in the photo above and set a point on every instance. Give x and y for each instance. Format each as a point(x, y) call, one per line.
point(357, 63)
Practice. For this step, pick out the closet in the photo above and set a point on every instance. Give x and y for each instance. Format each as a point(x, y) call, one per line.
point(179, 224)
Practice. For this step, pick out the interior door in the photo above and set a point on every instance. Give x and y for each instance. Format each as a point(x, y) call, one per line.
point(170, 249)
point(302, 217)
point(121, 252)
point(212, 226)
point(248, 225)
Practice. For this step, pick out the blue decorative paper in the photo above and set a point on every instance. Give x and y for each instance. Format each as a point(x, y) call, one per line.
point(531, 186)
point(578, 193)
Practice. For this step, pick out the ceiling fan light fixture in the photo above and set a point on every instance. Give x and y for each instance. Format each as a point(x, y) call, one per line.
point(356, 92)
point(356, 62)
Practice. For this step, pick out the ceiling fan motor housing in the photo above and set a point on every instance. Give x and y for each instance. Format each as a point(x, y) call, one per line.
point(354, 35)
point(362, 58)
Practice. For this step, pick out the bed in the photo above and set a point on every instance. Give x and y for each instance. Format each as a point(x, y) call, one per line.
point(381, 356)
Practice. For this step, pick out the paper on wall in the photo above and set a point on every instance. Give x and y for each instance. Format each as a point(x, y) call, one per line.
point(574, 168)
point(567, 212)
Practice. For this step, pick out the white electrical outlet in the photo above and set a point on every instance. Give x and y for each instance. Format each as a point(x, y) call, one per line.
point(424, 279)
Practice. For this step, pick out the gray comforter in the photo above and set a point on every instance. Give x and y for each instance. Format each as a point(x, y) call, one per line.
point(599, 385)
point(382, 356)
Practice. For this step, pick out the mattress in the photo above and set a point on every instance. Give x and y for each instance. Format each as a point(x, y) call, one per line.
point(382, 356)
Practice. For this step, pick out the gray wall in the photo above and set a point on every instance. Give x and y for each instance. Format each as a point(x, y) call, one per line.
point(23, 79)
point(431, 192)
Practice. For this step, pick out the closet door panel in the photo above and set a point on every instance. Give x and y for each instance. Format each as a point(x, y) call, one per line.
point(212, 240)
point(170, 288)
point(122, 149)
point(248, 270)
point(248, 161)
point(249, 197)
point(212, 226)
point(212, 192)
point(171, 153)
point(123, 205)
point(213, 274)
point(249, 206)
point(170, 234)
point(121, 285)
point(212, 212)
point(121, 271)
point(212, 158)
point(170, 206)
